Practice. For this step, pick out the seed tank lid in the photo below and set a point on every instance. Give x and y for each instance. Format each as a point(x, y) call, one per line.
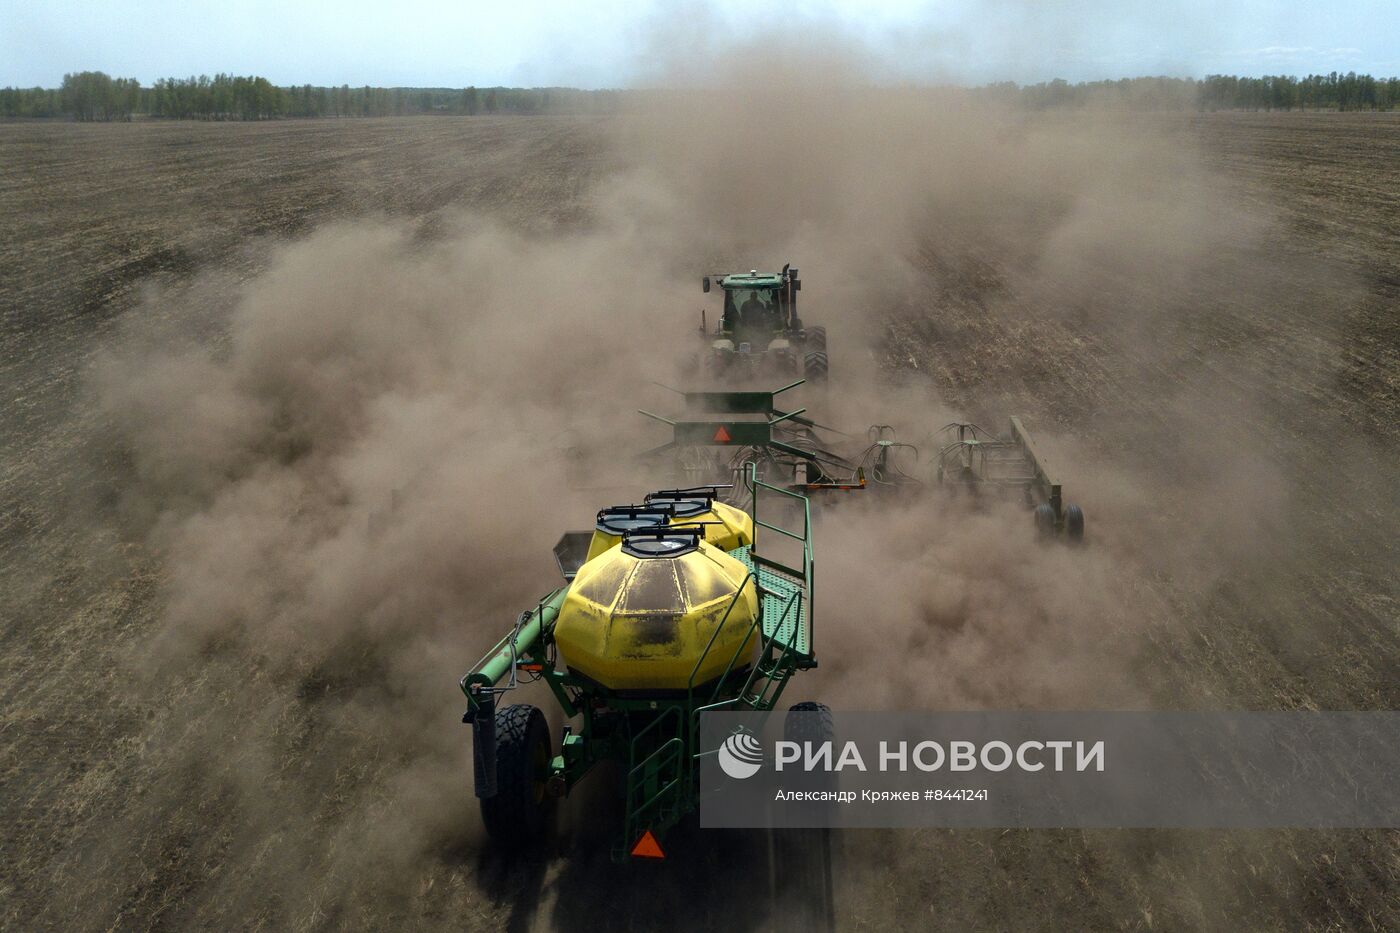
point(619, 518)
point(681, 508)
point(666, 546)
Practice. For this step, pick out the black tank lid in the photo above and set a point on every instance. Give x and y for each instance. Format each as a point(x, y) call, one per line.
point(681, 508)
point(685, 503)
point(658, 542)
point(620, 518)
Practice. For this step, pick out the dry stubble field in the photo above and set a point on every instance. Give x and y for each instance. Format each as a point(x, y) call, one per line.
point(109, 820)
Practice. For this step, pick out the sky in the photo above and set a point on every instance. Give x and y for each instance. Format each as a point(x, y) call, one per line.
point(614, 43)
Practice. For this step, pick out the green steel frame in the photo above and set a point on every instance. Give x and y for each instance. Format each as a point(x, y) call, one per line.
point(780, 437)
point(974, 455)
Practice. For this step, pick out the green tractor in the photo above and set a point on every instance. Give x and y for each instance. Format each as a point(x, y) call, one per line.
point(759, 333)
point(669, 608)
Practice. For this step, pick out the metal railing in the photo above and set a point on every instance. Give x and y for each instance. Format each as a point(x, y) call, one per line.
point(662, 775)
point(752, 481)
point(774, 669)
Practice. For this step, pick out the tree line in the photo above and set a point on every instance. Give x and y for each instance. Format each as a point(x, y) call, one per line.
point(1333, 91)
point(88, 95)
point(93, 95)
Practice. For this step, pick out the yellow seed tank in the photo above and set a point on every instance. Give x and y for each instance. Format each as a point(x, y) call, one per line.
point(639, 615)
point(726, 527)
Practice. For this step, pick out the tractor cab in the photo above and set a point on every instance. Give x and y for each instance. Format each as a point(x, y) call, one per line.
point(754, 307)
point(758, 306)
point(758, 332)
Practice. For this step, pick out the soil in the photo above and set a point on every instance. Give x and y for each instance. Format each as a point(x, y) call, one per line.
point(107, 826)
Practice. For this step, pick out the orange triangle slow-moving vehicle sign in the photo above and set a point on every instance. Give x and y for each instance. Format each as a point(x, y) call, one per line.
point(722, 435)
point(647, 847)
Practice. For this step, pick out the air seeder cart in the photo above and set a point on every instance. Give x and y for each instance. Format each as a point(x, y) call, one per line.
point(669, 608)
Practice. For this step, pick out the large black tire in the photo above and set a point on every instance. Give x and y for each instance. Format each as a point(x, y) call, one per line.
point(1044, 521)
point(811, 724)
point(1074, 524)
point(816, 339)
point(817, 728)
point(814, 367)
point(805, 857)
point(522, 811)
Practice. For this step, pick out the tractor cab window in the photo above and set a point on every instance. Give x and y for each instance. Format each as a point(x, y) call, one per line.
point(752, 307)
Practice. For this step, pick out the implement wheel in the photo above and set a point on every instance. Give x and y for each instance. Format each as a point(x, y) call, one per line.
point(804, 858)
point(811, 723)
point(814, 727)
point(1044, 521)
point(1074, 524)
point(521, 811)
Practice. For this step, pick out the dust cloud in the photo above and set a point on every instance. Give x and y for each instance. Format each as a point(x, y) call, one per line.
point(356, 484)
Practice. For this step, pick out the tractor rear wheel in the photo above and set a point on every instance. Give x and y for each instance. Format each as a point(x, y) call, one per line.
point(816, 339)
point(1074, 524)
point(521, 811)
point(1044, 521)
point(814, 367)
